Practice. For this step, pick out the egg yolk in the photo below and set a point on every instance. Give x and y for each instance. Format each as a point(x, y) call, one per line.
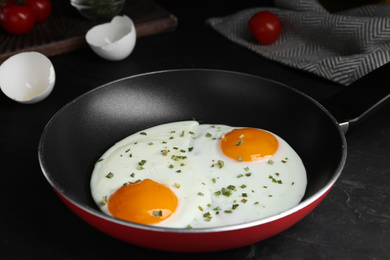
point(144, 202)
point(249, 144)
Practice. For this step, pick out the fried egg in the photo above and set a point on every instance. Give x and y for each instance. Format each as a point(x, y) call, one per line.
point(191, 175)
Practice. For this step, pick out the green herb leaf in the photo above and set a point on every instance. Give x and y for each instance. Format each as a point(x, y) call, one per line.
point(104, 200)
point(157, 213)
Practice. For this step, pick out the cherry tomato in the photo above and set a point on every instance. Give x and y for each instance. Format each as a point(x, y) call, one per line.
point(265, 26)
point(17, 19)
point(40, 8)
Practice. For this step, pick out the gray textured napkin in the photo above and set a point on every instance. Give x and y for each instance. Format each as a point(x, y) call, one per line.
point(341, 47)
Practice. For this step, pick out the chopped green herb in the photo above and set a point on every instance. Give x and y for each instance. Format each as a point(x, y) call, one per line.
point(101, 159)
point(228, 211)
point(248, 174)
point(176, 185)
point(274, 180)
point(243, 186)
point(235, 206)
point(182, 134)
point(239, 159)
point(143, 133)
point(200, 208)
point(188, 227)
point(132, 175)
point(244, 200)
point(226, 192)
point(220, 164)
point(109, 175)
point(208, 135)
point(104, 200)
point(207, 216)
point(157, 213)
point(244, 195)
point(178, 157)
point(231, 187)
point(200, 194)
point(178, 171)
point(239, 143)
point(240, 175)
point(142, 162)
point(270, 162)
point(164, 152)
point(190, 149)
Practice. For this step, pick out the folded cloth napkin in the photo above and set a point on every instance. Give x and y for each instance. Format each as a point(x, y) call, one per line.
point(341, 47)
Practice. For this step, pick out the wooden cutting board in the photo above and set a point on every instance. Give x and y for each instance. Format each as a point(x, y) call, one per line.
point(65, 30)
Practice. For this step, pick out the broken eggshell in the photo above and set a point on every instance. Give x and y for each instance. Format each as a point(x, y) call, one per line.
point(114, 40)
point(27, 77)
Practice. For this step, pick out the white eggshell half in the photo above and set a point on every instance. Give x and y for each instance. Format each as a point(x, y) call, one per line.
point(114, 40)
point(27, 77)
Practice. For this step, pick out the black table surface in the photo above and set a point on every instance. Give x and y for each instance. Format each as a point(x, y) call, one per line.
point(352, 222)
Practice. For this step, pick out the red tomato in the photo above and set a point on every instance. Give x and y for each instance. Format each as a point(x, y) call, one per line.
point(17, 19)
point(265, 26)
point(40, 8)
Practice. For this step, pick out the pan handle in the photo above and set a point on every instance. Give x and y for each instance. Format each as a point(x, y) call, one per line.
point(352, 104)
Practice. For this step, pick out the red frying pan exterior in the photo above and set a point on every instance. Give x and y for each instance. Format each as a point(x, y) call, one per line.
point(191, 242)
point(81, 131)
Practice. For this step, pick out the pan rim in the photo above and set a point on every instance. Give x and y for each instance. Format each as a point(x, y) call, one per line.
point(98, 214)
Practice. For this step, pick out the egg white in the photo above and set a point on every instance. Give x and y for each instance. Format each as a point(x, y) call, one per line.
point(253, 190)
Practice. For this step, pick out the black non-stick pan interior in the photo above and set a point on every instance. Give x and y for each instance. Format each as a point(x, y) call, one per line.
point(80, 132)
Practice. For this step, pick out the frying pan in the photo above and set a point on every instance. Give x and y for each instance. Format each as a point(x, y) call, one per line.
point(85, 128)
